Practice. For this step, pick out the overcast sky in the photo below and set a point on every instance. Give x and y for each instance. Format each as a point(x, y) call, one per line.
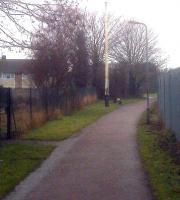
point(160, 15)
point(163, 16)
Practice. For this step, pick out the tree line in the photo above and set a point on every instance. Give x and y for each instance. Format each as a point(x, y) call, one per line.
point(66, 44)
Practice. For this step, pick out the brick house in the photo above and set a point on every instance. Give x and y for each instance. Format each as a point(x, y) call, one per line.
point(13, 73)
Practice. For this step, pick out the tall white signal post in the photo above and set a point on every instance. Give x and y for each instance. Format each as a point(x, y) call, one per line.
point(106, 97)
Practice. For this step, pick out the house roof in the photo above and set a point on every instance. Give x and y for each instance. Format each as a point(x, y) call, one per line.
point(14, 66)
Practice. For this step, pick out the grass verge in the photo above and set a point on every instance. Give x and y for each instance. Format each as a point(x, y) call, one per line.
point(63, 128)
point(17, 160)
point(160, 164)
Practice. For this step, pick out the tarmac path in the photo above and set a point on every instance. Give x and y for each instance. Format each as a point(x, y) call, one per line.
point(100, 163)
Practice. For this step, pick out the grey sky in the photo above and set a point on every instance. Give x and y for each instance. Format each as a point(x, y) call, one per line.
point(160, 15)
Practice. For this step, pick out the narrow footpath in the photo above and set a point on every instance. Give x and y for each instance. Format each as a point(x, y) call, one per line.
point(100, 163)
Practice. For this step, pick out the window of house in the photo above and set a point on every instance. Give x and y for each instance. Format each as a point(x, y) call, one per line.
point(24, 76)
point(7, 76)
point(12, 76)
point(4, 76)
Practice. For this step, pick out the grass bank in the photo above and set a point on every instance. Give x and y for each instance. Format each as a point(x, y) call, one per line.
point(63, 128)
point(18, 160)
point(160, 158)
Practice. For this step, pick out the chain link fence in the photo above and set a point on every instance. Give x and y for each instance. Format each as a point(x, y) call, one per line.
point(23, 109)
point(169, 99)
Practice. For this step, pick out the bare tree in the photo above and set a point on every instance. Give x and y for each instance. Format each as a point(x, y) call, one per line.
point(95, 33)
point(55, 46)
point(130, 45)
point(81, 66)
point(17, 19)
point(129, 50)
point(20, 18)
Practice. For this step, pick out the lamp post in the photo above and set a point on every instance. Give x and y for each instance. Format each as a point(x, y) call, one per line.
point(147, 71)
point(106, 95)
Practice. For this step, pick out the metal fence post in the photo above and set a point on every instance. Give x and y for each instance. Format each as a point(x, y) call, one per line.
point(170, 101)
point(46, 103)
point(0, 109)
point(164, 97)
point(30, 103)
point(8, 113)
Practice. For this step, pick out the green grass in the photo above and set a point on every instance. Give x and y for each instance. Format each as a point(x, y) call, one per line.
point(152, 95)
point(163, 173)
point(17, 161)
point(63, 128)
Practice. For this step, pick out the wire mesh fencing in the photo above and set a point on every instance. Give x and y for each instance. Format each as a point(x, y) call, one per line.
point(5, 113)
point(23, 109)
point(169, 99)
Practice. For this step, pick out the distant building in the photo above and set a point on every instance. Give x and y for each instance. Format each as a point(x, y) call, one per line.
point(13, 73)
